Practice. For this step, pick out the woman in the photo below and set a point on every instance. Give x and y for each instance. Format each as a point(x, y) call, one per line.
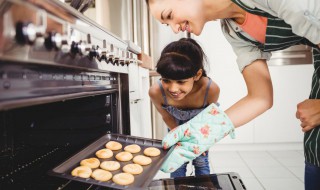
point(254, 28)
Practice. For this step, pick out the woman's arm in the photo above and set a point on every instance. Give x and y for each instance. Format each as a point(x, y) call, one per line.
point(156, 98)
point(259, 97)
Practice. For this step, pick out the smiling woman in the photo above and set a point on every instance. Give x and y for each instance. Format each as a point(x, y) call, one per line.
point(282, 23)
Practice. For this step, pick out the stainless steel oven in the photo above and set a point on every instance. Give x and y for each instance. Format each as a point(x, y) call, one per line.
point(63, 84)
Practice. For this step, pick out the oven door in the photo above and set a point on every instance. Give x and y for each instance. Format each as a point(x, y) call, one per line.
point(225, 181)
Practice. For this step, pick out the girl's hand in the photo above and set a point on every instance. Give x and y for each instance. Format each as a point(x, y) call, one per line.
point(196, 136)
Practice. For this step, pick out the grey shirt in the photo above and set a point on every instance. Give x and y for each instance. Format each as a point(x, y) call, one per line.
point(302, 15)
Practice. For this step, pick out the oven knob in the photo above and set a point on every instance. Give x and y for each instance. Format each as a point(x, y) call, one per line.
point(94, 52)
point(25, 33)
point(53, 41)
point(74, 49)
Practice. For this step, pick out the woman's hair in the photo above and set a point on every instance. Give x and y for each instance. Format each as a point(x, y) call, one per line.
point(181, 60)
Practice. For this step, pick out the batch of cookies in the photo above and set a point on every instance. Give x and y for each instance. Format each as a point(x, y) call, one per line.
point(101, 171)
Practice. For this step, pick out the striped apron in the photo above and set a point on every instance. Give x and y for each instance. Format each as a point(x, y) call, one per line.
point(279, 36)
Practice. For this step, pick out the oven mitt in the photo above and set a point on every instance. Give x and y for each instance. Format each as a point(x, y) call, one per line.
point(196, 136)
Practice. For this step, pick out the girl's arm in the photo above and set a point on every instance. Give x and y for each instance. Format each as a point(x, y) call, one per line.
point(156, 98)
point(259, 97)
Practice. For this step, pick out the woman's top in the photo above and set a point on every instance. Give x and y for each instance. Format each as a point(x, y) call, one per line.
point(290, 22)
point(183, 115)
point(255, 26)
point(302, 18)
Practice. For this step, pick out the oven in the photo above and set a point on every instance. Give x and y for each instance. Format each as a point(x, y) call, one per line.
point(64, 90)
point(63, 84)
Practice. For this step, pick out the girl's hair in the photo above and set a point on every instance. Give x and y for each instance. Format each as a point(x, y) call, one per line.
point(181, 60)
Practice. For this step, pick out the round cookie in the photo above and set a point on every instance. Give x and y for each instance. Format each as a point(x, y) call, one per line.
point(82, 171)
point(91, 162)
point(134, 169)
point(142, 160)
point(113, 145)
point(133, 148)
point(101, 175)
point(110, 165)
point(123, 178)
point(124, 156)
point(104, 153)
point(151, 151)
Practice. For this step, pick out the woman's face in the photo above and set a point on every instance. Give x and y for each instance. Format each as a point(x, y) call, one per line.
point(180, 15)
point(177, 89)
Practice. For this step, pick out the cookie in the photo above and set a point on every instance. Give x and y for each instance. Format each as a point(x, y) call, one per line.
point(133, 148)
point(113, 145)
point(101, 175)
point(104, 153)
point(110, 165)
point(82, 171)
point(142, 160)
point(123, 178)
point(91, 162)
point(151, 151)
point(134, 169)
point(124, 156)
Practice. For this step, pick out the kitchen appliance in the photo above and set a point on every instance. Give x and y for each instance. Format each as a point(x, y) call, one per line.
point(225, 181)
point(64, 84)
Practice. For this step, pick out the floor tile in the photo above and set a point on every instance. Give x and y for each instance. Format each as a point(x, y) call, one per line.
point(298, 171)
point(243, 172)
point(262, 162)
point(271, 172)
point(254, 154)
point(252, 184)
point(293, 161)
point(281, 184)
point(285, 154)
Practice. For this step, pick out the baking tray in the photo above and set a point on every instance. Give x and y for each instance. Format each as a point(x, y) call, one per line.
point(141, 181)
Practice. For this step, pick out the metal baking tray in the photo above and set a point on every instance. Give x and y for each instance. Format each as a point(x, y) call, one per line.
point(141, 181)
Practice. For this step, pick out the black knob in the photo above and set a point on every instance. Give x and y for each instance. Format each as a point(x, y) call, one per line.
point(25, 33)
point(53, 41)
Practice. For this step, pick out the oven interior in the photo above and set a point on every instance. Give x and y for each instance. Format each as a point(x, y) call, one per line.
point(35, 139)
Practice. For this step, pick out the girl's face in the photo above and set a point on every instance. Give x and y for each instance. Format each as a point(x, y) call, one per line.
point(177, 89)
point(180, 15)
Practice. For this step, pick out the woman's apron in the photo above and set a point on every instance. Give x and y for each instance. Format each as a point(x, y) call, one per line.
point(279, 36)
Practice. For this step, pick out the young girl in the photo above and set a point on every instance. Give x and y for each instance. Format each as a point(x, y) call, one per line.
point(183, 91)
point(254, 28)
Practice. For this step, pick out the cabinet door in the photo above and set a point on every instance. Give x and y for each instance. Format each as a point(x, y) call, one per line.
point(134, 93)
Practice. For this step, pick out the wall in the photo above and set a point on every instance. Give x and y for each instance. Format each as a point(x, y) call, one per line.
point(291, 84)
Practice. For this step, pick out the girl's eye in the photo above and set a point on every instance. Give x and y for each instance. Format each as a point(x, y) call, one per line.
point(167, 24)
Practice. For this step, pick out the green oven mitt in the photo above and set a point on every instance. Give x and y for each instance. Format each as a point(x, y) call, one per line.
point(196, 136)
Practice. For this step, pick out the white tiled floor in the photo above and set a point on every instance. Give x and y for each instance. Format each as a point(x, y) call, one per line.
point(260, 170)
point(276, 170)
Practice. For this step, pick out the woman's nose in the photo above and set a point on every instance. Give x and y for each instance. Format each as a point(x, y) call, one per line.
point(176, 28)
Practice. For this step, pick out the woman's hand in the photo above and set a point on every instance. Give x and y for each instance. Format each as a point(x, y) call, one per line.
point(196, 136)
point(308, 112)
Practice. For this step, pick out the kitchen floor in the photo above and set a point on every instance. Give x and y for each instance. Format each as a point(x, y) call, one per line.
point(259, 170)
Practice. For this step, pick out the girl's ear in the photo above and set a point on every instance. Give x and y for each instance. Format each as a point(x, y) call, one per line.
point(198, 75)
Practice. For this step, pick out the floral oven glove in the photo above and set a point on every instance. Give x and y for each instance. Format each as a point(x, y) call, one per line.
point(196, 136)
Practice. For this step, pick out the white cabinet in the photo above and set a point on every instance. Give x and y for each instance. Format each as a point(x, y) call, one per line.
point(140, 108)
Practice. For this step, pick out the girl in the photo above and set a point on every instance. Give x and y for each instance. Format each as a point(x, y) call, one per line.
point(183, 91)
point(254, 28)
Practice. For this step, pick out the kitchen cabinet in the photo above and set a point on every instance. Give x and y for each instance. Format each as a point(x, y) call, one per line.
point(140, 108)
